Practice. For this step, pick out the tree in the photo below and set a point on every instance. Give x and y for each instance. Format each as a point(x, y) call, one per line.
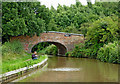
point(89, 3)
point(103, 30)
point(84, 27)
point(52, 26)
point(78, 3)
point(43, 13)
point(21, 19)
point(71, 29)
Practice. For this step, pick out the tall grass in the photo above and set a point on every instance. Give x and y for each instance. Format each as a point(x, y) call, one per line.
point(12, 50)
point(14, 57)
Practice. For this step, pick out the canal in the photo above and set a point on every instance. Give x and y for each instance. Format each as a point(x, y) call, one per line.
point(67, 69)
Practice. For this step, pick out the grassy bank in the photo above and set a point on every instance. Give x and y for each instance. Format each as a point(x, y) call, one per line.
point(14, 57)
point(20, 63)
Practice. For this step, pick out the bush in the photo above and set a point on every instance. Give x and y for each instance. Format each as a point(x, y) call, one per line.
point(103, 30)
point(100, 32)
point(92, 49)
point(12, 47)
point(51, 50)
point(109, 53)
point(11, 50)
point(79, 51)
point(40, 46)
point(68, 53)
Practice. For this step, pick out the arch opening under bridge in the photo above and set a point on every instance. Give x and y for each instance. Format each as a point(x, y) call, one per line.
point(61, 48)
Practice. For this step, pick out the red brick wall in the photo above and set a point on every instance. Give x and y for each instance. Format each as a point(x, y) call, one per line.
point(67, 42)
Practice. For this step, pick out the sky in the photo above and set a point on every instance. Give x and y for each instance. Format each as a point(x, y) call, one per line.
point(54, 3)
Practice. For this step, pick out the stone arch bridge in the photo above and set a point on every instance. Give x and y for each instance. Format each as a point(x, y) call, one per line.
point(64, 41)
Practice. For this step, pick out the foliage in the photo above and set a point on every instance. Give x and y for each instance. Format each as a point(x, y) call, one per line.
point(43, 13)
point(14, 57)
point(78, 51)
point(68, 53)
point(109, 53)
point(98, 22)
point(14, 47)
point(78, 14)
point(40, 46)
point(71, 29)
point(28, 18)
point(84, 27)
point(98, 33)
point(12, 51)
point(45, 48)
point(107, 8)
point(51, 50)
point(92, 49)
point(24, 18)
point(52, 26)
point(101, 32)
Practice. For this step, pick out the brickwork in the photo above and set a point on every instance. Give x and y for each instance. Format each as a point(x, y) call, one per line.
point(64, 41)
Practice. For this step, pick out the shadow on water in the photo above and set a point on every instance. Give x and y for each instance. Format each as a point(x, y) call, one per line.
point(67, 69)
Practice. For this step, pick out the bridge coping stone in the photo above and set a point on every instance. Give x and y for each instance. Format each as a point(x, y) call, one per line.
point(63, 33)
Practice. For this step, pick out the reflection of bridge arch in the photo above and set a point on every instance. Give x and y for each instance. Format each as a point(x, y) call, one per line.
point(64, 41)
point(61, 48)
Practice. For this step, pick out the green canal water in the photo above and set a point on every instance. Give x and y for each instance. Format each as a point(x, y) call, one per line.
point(67, 69)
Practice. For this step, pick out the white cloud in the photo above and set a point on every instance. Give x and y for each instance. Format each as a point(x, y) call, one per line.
point(84, 2)
point(93, 1)
point(54, 3)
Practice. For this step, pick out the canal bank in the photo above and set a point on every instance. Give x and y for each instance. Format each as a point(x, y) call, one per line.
point(9, 76)
point(67, 69)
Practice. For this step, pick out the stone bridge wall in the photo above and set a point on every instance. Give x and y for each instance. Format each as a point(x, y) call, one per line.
point(64, 41)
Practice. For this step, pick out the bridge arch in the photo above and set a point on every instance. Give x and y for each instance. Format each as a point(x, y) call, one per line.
point(64, 41)
point(62, 49)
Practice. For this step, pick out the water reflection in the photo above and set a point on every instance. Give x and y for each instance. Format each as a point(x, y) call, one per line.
point(64, 69)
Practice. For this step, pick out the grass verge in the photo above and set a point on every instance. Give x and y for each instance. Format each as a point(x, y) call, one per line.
point(10, 65)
